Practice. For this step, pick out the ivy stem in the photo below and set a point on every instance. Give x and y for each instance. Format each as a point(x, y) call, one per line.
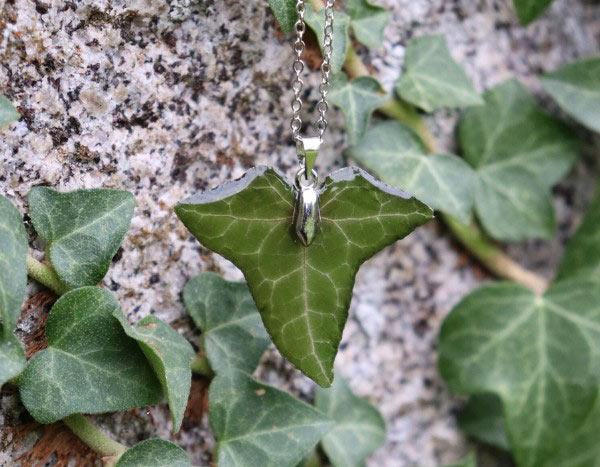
point(201, 366)
point(85, 430)
point(45, 275)
point(471, 236)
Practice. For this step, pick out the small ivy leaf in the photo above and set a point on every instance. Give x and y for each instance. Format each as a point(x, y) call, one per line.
point(368, 22)
point(576, 88)
point(482, 419)
point(170, 355)
point(302, 293)
point(8, 113)
point(443, 181)
point(13, 280)
point(154, 453)
point(257, 424)
point(341, 39)
point(90, 365)
point(357, 99)
point(285, 13)
point(422, 83)
point(227, 315)
point(83, 230)
point(518, 152)
point(528, 10)
point(582, 255)
point(540, 355)
point(358, 427)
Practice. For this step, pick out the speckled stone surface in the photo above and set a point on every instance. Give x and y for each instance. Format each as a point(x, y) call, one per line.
point(165, 98)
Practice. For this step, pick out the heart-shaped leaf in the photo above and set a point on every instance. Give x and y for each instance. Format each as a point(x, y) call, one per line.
point(528, 10)
point(395, 154)
point(83, 230)
point(13, 280)
point(227, 316)
point(154, 453)
point(540, 355)
point(358, 428)
point(582, 255)
point(368, 22)
point(576, 88)
point(257, 424)
point(285, 13)
point(90, 365)
point(422, 83)
point(170, 354)
point(518, 152)
point(482, 419)
point(8, 113)
point(357, 99)
point(303, 293)
point(341, 39)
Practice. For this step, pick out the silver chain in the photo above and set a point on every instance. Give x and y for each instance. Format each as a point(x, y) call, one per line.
point(298, 68)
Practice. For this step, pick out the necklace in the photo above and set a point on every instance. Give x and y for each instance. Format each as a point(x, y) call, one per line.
point(300, 245)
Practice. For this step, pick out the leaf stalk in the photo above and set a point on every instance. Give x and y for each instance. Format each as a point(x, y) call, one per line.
point(201, 366)
point(45, 275)
point(87, 432)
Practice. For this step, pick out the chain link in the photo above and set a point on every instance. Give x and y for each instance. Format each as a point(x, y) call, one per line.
point(298, 68)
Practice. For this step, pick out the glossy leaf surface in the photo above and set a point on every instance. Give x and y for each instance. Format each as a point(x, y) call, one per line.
point(540, 355)
point(576, 88)
point(443, 181)
point(357, 99)
point(170, 355)
point(519, 153)
point(358, 427)
point(257, 424)
point(82, 229)
point(424, 85)
point(154, 453)
point(482, 419)
point(233, 335)
point(302, 293)
point(13, 280)
point(90, 365)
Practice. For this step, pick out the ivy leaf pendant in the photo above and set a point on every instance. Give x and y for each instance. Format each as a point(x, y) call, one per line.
point(302, 292)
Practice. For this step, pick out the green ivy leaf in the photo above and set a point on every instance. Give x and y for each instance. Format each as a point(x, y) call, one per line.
point(518, 152)
point(482, 419)
point(302, 293)
point(582, 255)
point(368, 22)
point(154, 453)
point(285, 13)
point(528, 10)
point(443, 181)
point(581, 447)
point(257, 424)
point(90, 365)
point(8, 113)
point(576, 88)
point(83, 230)
point(540, 355)
point(170, 355)
point(341, 39)
point(422, 83)
point(358, 429)
point(227, 315)
point(13, 280)
point(357, 99)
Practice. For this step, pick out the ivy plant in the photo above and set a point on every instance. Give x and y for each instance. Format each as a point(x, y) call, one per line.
point(529, 10)
point(8, 113)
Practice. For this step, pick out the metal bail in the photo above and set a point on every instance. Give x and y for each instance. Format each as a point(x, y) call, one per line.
point(307, 215)
point(308, 149)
